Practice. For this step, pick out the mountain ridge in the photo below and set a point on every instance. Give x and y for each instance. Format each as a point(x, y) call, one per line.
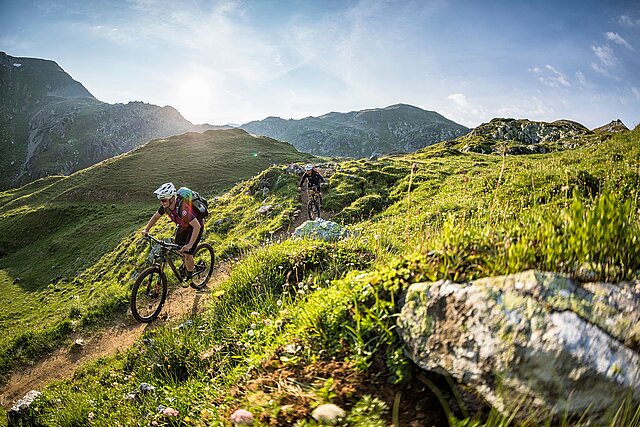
point(396, 128)
point(51, 124)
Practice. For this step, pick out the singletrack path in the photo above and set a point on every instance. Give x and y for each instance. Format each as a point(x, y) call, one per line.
point(113, 338)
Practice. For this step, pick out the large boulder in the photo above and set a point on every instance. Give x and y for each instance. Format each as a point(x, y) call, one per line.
point(531, 342)
point(321, 229)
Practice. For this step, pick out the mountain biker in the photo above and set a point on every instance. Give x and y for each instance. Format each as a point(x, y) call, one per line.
point(313, 176)
point(189, 229)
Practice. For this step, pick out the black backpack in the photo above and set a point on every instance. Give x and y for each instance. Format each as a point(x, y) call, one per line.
point(199, 203)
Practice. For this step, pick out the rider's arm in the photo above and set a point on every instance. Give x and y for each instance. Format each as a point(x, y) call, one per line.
point(194, 234)
point(152, 221)
point(304, 177)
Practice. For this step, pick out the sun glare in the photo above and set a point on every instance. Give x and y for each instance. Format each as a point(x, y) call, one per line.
point(193, 98)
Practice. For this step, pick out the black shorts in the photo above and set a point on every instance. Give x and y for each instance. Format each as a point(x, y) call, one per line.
point(184, 234)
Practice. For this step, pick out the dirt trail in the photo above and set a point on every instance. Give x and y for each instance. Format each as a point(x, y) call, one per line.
point(118, 336)
point(123, 332)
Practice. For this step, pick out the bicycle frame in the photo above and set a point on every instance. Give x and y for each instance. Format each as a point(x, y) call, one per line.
point(313, 194)
point(167, 252)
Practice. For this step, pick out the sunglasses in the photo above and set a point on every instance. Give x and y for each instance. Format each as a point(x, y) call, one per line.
point(164, 199)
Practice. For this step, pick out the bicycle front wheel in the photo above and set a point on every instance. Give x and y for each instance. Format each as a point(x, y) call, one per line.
point(148, 294)
point(204, 259)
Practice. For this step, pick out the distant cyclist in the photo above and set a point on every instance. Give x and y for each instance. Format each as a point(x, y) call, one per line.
point(190, 228)
point(313, 176)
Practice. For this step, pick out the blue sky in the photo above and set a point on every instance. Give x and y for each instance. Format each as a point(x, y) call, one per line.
point(235, 61)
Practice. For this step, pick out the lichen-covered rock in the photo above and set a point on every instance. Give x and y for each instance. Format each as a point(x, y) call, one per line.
point(531, 340)
point(19, 412)
point(321, 229)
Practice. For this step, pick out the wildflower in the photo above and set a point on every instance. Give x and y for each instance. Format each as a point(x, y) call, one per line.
point(253, 326)
point(170, 412)
point(255, 313)
point(301, 291)
point(267, 322)
point(251, 333)
point(206, 414)
point(241, 417)
point(279, 302)
point(278, 323)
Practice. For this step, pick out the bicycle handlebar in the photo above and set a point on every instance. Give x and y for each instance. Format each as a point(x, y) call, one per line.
point(166, 245)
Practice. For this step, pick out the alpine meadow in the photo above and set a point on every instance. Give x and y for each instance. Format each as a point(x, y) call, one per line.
point(358, 213)
point(305, 322)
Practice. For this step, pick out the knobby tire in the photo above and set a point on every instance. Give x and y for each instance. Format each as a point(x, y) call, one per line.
point(313, 210)
point(148, 294)
point(204, 258)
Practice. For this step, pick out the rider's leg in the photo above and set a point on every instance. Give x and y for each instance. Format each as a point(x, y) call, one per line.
point(181, 238)
point(189, 263)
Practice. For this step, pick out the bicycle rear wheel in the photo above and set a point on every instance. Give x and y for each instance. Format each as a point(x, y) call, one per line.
point(148, 294)
point(313, 210)
point(204, 259)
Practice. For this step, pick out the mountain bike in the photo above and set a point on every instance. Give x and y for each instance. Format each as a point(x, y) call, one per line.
point(313, 205)
point(150, 289)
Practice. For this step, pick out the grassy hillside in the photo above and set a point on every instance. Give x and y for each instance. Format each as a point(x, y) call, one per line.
point(60, 235)
point(301, 323)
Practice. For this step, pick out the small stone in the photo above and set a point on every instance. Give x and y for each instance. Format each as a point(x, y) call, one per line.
point(146, 388)
point(241, 417)
point(328, 414)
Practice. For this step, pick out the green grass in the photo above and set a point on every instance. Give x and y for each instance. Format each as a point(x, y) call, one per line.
point(60, 237)
point(317, 310)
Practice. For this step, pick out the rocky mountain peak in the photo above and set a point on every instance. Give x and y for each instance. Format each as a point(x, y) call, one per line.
point(37, 79)
point(615, 126)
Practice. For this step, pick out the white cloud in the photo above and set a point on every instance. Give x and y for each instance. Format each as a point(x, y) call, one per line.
point(459, 99)
point(627, 21)
point(582, 80)
point(636, 92)
point(470, 111)
point(599, 69)
point(605, 55)
point(550, 76)
point(617, 38)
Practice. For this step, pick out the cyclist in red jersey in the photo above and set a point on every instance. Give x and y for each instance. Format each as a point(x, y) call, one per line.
point(190, 228)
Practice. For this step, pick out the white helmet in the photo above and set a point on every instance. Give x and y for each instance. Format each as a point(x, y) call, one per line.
point(166, 191)
point(308, 167)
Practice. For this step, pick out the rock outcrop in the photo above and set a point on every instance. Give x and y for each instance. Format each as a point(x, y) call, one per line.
point(321, 229)
point(534, 341)
point(523, 136)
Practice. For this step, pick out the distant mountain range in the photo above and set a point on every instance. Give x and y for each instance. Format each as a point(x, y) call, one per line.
point(398, 128)
point(51, 124)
